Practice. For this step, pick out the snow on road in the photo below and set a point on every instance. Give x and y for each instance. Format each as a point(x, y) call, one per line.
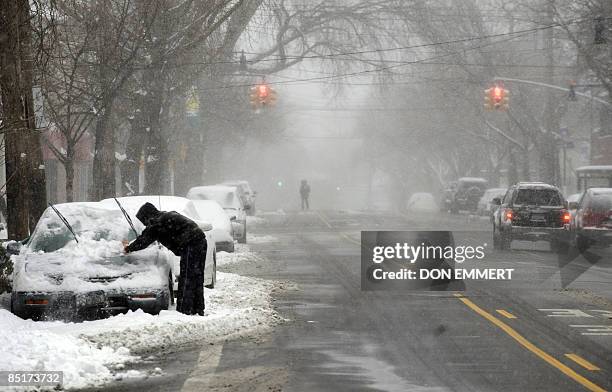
point(95, 352)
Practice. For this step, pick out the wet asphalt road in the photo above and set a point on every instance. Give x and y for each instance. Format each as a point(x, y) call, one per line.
point(549, 329)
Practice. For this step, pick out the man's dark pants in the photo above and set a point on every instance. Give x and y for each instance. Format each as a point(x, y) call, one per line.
point(190, 299)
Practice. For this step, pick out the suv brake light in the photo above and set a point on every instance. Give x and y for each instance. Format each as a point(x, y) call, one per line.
point(508, 215)
point(566, 217)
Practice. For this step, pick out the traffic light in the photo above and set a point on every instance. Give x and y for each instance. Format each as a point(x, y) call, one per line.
point(497, 98)
point(262, 95)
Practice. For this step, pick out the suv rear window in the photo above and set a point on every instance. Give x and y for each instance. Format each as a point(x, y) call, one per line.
point(538, 197)
point(601, 202)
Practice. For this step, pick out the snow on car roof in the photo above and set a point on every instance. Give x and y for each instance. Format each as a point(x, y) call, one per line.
point(472, 179)
point(224, 195)
point(179, 204)
point(211, 211)
point(600, 190)
point(594, 168)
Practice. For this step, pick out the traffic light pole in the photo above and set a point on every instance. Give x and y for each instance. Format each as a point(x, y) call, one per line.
point(554, 87)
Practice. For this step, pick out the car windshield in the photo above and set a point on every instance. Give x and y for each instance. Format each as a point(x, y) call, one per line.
point(538, 197)
point(88, 222)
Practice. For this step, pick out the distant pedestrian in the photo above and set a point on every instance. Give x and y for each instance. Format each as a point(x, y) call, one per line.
point(305, 195)
point(185, 239)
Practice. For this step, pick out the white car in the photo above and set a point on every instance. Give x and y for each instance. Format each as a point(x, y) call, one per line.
point(184, 207)
point(485, 204)
point(212, 212)
point(56, 277)
point(229, 199)
point(422, 202)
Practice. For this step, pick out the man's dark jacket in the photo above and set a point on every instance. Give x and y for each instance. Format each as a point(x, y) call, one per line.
point(171, 229)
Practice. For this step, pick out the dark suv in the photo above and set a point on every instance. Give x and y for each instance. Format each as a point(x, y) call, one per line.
point(531, 211)
point(464, 194)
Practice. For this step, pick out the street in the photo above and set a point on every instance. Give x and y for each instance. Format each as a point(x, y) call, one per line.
point(529, 333)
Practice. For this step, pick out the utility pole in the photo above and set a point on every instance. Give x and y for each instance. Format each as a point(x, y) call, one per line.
point(549, 152)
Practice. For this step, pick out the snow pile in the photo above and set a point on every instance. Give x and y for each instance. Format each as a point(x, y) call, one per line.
point(46, 346)
point(243, 254)
point(90, 352)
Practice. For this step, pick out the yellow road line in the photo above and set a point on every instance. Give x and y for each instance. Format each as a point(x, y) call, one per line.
point(506, 314)
point(582, 362)
point(531, 347)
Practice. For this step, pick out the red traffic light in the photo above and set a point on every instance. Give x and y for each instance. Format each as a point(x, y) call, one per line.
point(263, 90)
point(498, 94)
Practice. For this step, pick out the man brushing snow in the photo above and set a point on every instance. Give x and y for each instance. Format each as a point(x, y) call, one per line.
point(185, 239)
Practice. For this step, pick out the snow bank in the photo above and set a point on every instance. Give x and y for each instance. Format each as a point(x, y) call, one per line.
point(243, 254)
point(91, 353)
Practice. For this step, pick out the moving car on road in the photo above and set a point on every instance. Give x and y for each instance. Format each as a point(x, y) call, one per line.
point(229, 199)
point(591, 225)
point(72, 267)
point(464, 194)
point(212, 212)
point(531, 211)
point(485, 204)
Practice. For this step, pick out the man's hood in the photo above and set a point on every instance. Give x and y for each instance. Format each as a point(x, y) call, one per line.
point(147, 212)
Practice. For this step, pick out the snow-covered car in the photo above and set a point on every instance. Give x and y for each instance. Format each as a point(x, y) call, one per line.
point(184, 207)
point(573, 198)
point(73, 267)
point(212, 212)
point(229, 199)
point(247, 195)
point(422, 202)
point(485, 204)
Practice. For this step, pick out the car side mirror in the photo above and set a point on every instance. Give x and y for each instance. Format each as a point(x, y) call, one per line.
point(496, 201)
point(14, 247)
point(233, 218)
point(572, 205)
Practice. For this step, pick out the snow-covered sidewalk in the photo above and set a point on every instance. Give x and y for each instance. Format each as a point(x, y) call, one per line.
point(95, 352)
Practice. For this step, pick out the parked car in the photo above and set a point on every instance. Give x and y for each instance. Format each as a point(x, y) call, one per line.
point(184, 207)
point(464, 194)
point(485, 204)
point(247, 195)
point(591, 225)
point(228, 198)
point(531, 211)
point(56, 277)
point(212, 212)
point(422, 202)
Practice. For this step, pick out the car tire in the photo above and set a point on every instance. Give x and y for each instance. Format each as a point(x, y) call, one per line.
point(213, 281)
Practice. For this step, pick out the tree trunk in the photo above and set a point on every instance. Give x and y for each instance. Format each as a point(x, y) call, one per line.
point(25, 190)
point(131, 165)
point(69, 168)
point(103, 184)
